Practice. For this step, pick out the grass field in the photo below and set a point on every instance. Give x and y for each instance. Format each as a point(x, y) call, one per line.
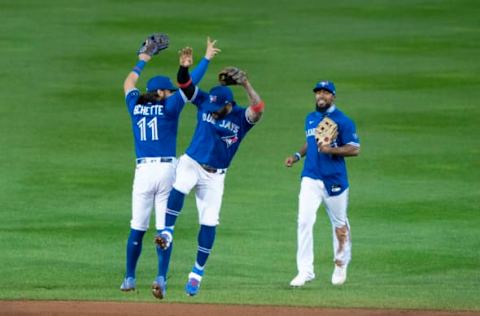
point(406, 71)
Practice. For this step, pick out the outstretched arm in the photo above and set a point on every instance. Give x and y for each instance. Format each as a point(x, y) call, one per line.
point(199, 71)
point(255, 110)
point(152, 45)
point(290, 160)
point(132, 78)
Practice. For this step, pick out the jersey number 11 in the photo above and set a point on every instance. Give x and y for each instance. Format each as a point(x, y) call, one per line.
point(152, 125)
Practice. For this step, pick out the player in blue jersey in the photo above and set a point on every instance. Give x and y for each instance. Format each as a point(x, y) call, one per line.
point(154, 116)
point(324, 179)
point(221, 126)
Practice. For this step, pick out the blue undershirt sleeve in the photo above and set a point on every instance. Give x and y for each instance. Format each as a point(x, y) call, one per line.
point(199, 71)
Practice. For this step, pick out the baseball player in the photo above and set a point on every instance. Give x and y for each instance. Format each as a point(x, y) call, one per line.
point(324, 179)
point(221, 126)
point(154, 116)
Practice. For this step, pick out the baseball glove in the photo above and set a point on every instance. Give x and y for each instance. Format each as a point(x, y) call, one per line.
point(154, 44)
point(326, 131)
point(232, 76)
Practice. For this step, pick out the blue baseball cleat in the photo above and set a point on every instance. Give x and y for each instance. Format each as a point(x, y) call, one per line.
point(164, 239)
point(192, 287)
point(159, 287)
point(128, 284)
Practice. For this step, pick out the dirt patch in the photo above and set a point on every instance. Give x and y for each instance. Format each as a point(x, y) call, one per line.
point(83, 308)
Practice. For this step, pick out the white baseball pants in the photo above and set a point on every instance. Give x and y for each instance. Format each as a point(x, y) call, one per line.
point(312, 194)
point(208, 188)
point(151, 186)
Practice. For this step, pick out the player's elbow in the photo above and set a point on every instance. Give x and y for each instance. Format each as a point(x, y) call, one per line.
point(352, 151)
point(356, 151)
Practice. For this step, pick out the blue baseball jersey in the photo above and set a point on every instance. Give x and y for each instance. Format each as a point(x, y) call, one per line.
point(155, 125)
point(331, 169)
point(215, 142)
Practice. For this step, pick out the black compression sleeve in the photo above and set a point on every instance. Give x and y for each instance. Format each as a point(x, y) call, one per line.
point(185, 82)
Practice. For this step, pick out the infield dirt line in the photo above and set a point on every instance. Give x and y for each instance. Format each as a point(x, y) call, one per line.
point(84, 308)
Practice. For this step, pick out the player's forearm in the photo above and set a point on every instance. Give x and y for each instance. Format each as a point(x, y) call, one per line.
point(132, 78)
point(253, 96)
point(296, 157)
point(303, 151)
point(345, 150)
point(185, 82)
point(257, 106)
point(300, 153)
point(130, 82)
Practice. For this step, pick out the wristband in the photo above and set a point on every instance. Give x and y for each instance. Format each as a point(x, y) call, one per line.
point(258, 107)
point(186, 84)
point(298, 156)
point(139, 67)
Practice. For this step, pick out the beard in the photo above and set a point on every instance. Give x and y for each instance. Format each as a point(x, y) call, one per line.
point(222, 112)
point(322, 105)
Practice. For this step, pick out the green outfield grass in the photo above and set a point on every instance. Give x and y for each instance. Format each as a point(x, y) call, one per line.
point(406, 71)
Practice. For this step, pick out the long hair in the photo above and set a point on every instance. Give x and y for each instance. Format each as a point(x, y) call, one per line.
point(148, 97)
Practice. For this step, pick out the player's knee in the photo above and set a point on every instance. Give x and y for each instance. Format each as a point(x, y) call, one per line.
point(306, 219)
point(305, 223)
point(338, 221)
point(211, 222)
point(140, 226)
point(180, 188)
point(183, 186)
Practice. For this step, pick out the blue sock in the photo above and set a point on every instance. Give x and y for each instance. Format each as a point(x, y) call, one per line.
point(163, 259)
point(174, 206)
point(206, 237)
point(134, 249)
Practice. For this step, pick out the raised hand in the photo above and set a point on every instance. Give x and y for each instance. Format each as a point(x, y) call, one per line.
point(186, 56)
point(211, 49)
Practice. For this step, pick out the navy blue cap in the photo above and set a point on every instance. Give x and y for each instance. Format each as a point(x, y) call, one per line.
point(219, 96)
point(160, 83)
point(325, 85)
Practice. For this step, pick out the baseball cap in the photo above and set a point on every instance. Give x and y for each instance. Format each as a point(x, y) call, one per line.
point(325, 85)
point(160, 83)
point(219, 96)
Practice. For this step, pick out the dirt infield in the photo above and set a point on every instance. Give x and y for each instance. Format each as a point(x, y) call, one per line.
point(24, 308)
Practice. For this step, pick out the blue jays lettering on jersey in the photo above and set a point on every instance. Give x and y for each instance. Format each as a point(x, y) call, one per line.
point(155, 125)
point(215, 142)
point(331, 169)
